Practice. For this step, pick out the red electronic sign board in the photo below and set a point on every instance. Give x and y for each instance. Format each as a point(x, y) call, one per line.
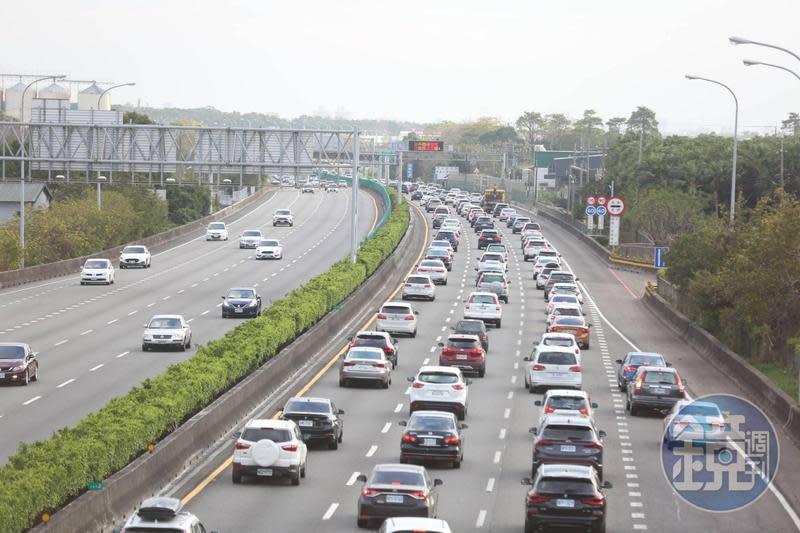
point(425, 146)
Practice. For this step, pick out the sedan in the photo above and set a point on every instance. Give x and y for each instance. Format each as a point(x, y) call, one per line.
point(317, 418)
point(97, 271)
point(439, 388)
point(690, 423)
point(397, 490)
point(244, 301)
point(18, 363)
point(419, 286)
point(627, 367)
point(435, 269)
point(134, 256)
point(269, 249)
point(365, 364)
point(432, 436)
point(567, 439)
point(250, 238)
point(169, 331)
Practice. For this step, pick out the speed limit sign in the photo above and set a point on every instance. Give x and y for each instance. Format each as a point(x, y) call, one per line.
point(602, 200)
point(615, 206)
point(591, 200)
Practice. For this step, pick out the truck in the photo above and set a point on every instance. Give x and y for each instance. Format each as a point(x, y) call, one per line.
point(492, 197)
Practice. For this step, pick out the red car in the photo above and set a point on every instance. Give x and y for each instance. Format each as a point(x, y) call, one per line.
point(465, 352)
point(377, 339)
point(18, 363)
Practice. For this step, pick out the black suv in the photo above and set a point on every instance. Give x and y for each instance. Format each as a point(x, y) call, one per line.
point(317, 418)
point(488, 236)
point(482, 223)
point(567, 439)
point(654, 387)
point(473, 327)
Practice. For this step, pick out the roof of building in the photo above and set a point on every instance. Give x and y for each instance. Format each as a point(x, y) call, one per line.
point(9, 192)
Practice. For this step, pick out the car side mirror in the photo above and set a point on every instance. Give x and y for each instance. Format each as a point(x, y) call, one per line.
point(526, 358)
point(340, 412)
point(395, 340)
point(594, 405)
point(410, 380)
point(437, 482)
point(685, 381)
point(144, 325)
point(619, 361)
point(538, 403)
point(223, 297)
point(669, 365)
point(601, 433)
point(452, 328)
point(402, 423)
point(577, 279)
point(476, 269)
point(462, 426)
point(590, 324)
point(607, 485)
point(440, 344)
point(416, 312)
point(468, 381)
point(533, 431)
point(236, 434)
point(526, 481)
point(362, 478)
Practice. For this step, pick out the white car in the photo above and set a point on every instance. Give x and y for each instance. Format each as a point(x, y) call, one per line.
point(559, 288)
point(505, 213)
point(541, 262)
point(562, 310)
point(561, 299)
point(553, 366)
point(405, 524)
point(97, 271)
point(498, 248)
point(439, 388)
point(397, 317)
point(564, 340)
point(269, 249)
point(435, 269)
point(566, 402)
point(366, 363)
point(484, 306)
point(307, 188)
point(694, 422)
point(268, 449)
point(250, 238)
point(283, 217)
point(532, 249)
point(168, 331)
point(217, 231)
point(134, 255)
point(419, 286)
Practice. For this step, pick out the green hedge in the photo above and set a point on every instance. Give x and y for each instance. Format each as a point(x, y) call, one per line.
point(43, 476)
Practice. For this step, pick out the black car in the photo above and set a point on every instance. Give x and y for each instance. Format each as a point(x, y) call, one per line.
point(473, 327)
point(489, 236)
point(442, 255)
point(18, 363)
point(317, 418)
point(448, 236)
point(482, 223)
point(626, 368)
point(567, 439)
point(397, 490)
point(432, 436)
point(565, 495)
point(546, 270)
point(657, 388)
point(558, 276)
point(416, 195)
point(497, 208)
point(244, 301)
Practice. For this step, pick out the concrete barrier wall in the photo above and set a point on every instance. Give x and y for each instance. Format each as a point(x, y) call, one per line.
point(145, 477)
point(154, 242)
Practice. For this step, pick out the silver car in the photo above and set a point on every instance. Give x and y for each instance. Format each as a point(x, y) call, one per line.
point(365, 364)
point(435, 269)
point(495, 282)
point(249, 238)
point(168, 331)
point(419, 286)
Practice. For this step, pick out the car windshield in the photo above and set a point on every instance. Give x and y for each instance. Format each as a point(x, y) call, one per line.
point(365, 354)
point(646, 360)
point(12, 352)
point(566, 486)
point(216, 225)
point(440, 244)
point(576, 433)
point(658, 377)
point(556, 358)
point(395, 310)
point(242, 293)
point(375, 341)
point(418, 280)
point(569, 321)
point(500, 248)
point(462, 343)
point(482, 299)
point(388, 477)
point(437, 377)
point(252, 233)
point(96, 264)
point(275, 435)
point(561, 277)
point(269, 243)
point(165, 323)
point(558, 341)
point(133, 250)
point(300, 406)
point(438, 253)
point(490, 233)
point(431, 423)
point(566, 402)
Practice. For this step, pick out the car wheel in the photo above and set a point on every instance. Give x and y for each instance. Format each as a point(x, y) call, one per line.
point(236, 477)
point(36, 374)
point(497, 323)
point(444, 282)
point(296, 478)
point(385, 384)
point(183, 347)
point(457, 463)
point(342, 382)
point(362, 523)
point(413, 334)
point(145, 347)
point(82, 283)
point(333, 445)
point(482, 372)
point(189, 342)
point(634, 409)
point(121, 266)
point(27, 378)
point(529, 528)
point(303, 471)
point(599, 527)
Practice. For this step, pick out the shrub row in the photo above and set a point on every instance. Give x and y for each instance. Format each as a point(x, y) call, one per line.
point(43, 476)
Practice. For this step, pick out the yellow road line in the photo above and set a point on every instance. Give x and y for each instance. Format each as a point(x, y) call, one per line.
point(217, 471)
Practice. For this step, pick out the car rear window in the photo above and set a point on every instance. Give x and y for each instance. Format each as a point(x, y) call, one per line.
point(573, 487)
point(482, 299)
point(567, 311)
point(492, 278)
point(566, 402)
point(561, 277)
point(395, 310)
point(664, 378)
point(558, 342)
point(647, 360)
point(569, 321)
point(299, 406)
point(437, 377)
point(12, 352)
point(564, 298)
point(387, 477)
point(153, 530)
point(436, 263)
point(489, 233)
point(275, 435)
point(438, 252)
point(695, 409)
point(556, 358)
point(355, 353)
point(431, 423)
point(462, 343)
point(418, 280)
point(577, 433)
point(491, 257)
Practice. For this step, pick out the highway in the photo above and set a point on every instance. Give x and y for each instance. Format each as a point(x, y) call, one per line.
point(89, 337)
point(485, 494)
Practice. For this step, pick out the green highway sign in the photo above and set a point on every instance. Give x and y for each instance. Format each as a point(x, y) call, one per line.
point(94, 485)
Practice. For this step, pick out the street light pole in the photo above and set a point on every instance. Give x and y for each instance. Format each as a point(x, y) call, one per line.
point(354, 207)
point(735, 137)
point(742, 40)
point(750, 63)
point(100, 179)
point(102, 94)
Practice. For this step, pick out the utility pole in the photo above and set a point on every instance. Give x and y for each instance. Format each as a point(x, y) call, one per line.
point(354, 207)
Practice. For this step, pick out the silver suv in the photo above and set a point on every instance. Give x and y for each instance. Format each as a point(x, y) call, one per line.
point(162, 515)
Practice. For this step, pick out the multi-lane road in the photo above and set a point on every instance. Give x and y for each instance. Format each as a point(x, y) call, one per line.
point(485, 494)
point(89, 337)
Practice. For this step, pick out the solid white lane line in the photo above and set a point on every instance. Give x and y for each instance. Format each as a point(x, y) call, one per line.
point(352, 480)
point(65, 383)
point(386, 427)
point(123, 354)
point(372, 450)
point(31, 400)
point(490, 485)
point(101, 365)
point(329, 513)
point(59, 343)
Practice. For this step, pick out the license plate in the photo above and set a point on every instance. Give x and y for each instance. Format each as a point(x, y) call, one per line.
point(567, 448)
point(264, 472)
point(238, 310)
point(461, 356)
point(306, 423)
point(437, 393)
point(394, 499)
point(429, 442)
point(554, 374)
point(565, 503)
point(364, 368)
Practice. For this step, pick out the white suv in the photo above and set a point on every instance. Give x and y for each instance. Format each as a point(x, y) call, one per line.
point(553, 366)
point(217, 231)
point(484, 306)
point(270, 448)
point(283, 217)
point(397, 317)
point(439, 388)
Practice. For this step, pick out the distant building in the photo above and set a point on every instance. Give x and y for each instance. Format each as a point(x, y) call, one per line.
point(561, 168)
point(37, 196)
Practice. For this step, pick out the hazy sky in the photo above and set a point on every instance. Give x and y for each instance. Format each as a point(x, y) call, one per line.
point(421, 60)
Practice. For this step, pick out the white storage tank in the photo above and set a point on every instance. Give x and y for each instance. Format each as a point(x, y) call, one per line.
point(14, 100)
point(54, 92)
point(87, 99)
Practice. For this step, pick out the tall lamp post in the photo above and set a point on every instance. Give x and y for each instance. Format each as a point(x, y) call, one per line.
point(22, 168)
point(735, 137)
point(100, 179)
point(102, 94)
point(742, 40)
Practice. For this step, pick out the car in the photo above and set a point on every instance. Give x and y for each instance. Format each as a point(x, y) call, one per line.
point(498, 208)
point(317, 418)
point(565, 495)
point(450, 235)
point(564, 340)
point(487, 237)
point(531, 226)
point(432, 436)
point(283, 217)
point(97, 270)
point(484, 306)
point(499, 248)
point(550, 253)
point(18, 363)
point(483, 223)
point(531, 249)
point(419, 286)
point(505, 213)
point(465, 352)
point(489, 266)
point(567, 439)
point(493, 256)
point(519, 222)
point(567, 288)
point(496, 282)
point(473, 327)
point(404, 524)
point(557, 300)
point(553, 366)
point(393, 490)
point(269, 249)
point(161, 515)
point(436, 222)
point(577, 326)
point(434, 268)
point(441, 210)
point(271, 449)
point(565, 402)
point(656, 388)
point(562, 310)
point(544, 275)
point(241, 301)
point(432, 204)
point(627, 367)
point(416, 195)
point(442, 255)
point(397, 317)
point(331, 187)
point(510, 220)
point(692, 423)
point(342, 184)
point(217, 231)
point(307, 189)
point(543, 261)
point(134, 255)
point(275, 180)
point(365, 364)
point(377, 339)
point(250, 238)
point(439, 388)
point(169, 331)
point(558, 276)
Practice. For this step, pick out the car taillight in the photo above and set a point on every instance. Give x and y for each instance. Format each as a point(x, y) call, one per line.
point(593, 445)
point(418, 385)
point(548, 409)
point(584, 410)
point(537, 367)
point(681, 387)
point(348, 363)
point(241, 446)
point(290, 447)
point(419, 494)
point(388, 349)
point(576, 368)
point(369, 492)
point(628, 369)
point(594, 501)
point(638, 385)
point(496, 307)
point(428, 285)
point(534, 498)
point(409, 317)
point(409, 438)
point(408, 285)
point(485, 337)
point(381, 316)
point(458, 386)
point(379, 365)
point(452, 440)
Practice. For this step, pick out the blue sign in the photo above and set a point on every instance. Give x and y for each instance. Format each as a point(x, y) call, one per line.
point(410, 170)
point(590, 210)
point(601, 210)
point(660, 257)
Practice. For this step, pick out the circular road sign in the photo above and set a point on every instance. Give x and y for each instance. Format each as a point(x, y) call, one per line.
point(602, 200)
point(591, 200)
point(616, 206)
point(601, 210)
point(590, 210)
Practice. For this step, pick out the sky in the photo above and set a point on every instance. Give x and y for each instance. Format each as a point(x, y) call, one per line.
point(422, 60)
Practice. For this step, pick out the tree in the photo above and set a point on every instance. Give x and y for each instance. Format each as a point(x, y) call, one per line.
point(187, 203)
point(643, 119)
point(529, 123)
point(502, 135)
point(614, 128)
point(792, 123)
point(134, 117)
point(555, 126)
point(664, 213)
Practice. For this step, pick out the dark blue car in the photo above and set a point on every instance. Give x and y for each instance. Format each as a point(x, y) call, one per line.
point(626, 368)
